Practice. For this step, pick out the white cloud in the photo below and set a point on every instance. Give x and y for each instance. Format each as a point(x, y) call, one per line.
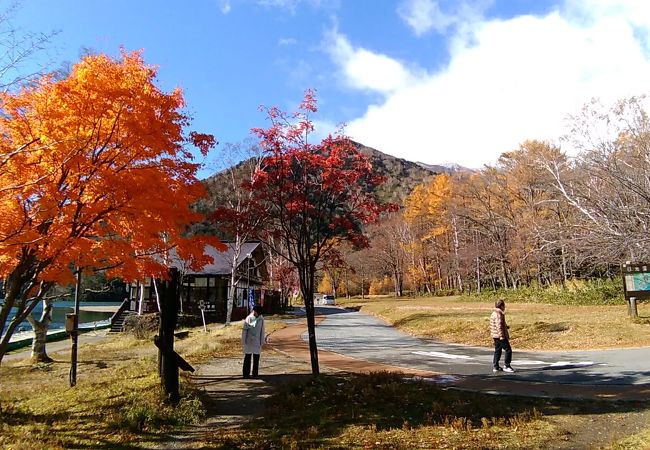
point(287, 41)
point(363, 69)
point(323, 128)
point(426, 15)
point(225, 6)
point(507, 81)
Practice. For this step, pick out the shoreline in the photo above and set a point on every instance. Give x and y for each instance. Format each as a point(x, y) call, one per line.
point(25, 338)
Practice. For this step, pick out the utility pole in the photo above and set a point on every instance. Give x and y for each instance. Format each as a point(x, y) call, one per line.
point(168, 360)
point(74, 334)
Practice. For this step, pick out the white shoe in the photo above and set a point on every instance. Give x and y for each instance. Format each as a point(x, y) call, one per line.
point(509, 369)
point(497, 369)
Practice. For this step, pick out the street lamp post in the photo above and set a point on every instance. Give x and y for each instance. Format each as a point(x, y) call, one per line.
point(248, 280)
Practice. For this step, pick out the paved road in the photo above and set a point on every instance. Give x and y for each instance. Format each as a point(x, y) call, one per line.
point(358, 335)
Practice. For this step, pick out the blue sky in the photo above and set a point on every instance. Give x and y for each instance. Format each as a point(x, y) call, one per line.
point(425, 80)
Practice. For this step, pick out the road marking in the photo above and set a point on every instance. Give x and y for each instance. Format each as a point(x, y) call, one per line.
point(442, 355)
point(530, 362)
point(570, 363)
point(534, 362)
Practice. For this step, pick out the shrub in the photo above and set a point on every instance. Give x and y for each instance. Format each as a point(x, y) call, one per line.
point(141, 326)
point(574, 292)
point(139, 415)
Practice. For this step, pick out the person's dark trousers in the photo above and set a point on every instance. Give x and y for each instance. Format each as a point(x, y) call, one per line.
point(502, 345)
point(247, 364)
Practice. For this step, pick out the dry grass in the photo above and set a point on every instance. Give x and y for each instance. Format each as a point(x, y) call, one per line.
point(385, 410)
point(117, 400)
point(532, 326)
point(638, 441)
point(117, 404)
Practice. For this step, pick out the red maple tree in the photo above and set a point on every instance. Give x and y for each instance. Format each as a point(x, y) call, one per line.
point(312, 196)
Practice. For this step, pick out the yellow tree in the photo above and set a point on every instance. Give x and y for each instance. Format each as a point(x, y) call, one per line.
point(94, 174)
point(538, 213)
point(428, 216)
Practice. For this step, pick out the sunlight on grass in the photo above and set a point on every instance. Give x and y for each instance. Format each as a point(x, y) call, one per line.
point(636, 442)
point(117, 400)
point(385, 410)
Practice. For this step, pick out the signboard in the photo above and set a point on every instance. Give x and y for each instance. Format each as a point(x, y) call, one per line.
point(636, 280)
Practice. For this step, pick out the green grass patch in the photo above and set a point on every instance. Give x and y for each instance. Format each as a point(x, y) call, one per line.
point(117, 401)
point(113, 404)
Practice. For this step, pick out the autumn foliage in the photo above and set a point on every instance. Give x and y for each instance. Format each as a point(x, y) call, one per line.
point(313, 196)
point(94, 173)
point(324, 189)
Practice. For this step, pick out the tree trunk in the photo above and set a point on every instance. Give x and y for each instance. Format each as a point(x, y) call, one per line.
point(39, 353)
point(478, 275)
point(230, 301)
point(504, 275)
point(307, 288)
point(456, 241)
point(564, 270)
point(168, 367)
point(398, 283)
point(4, 343)
point(40, 327)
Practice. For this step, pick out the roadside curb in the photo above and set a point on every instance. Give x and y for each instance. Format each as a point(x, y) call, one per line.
point(289, 341)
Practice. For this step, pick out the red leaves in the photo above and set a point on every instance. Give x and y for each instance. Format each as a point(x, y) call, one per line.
point(316, 193)
point(309, 101)
point(204, 142)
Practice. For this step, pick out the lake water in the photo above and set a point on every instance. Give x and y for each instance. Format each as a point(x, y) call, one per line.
point(61, 308)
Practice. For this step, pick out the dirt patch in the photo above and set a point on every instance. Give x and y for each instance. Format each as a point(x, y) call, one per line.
point(596, 431)
point(232, 400)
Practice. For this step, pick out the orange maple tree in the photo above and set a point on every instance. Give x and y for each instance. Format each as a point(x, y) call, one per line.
point(95, 173)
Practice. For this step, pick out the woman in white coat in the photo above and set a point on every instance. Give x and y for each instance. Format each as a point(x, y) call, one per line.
point(252, 338)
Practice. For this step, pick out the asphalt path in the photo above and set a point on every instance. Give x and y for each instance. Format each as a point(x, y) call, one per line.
point(361, 336)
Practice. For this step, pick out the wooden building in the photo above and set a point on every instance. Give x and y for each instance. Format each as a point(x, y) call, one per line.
point(207, 289)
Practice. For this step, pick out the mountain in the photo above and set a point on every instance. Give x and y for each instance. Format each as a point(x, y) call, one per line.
point(443, 168)
point(401, 176)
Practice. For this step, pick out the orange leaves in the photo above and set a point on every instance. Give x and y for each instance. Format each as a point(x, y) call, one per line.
point(95, 170)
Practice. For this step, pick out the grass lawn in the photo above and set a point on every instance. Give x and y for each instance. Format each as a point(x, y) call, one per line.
point(117, 400)
point(386, 411)
point(117, 404)
point(533, 326)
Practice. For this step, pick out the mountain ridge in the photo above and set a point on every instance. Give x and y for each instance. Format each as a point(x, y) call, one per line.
point(401, 175)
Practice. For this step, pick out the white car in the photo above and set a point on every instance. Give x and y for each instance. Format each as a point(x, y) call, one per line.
point(328, 300)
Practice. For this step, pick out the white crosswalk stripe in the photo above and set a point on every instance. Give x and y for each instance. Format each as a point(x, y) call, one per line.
point(442, 355)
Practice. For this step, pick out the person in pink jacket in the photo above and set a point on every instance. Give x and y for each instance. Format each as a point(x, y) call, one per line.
point(501, 337)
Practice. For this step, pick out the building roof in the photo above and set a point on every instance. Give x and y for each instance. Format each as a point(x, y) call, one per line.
point(222, 261)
